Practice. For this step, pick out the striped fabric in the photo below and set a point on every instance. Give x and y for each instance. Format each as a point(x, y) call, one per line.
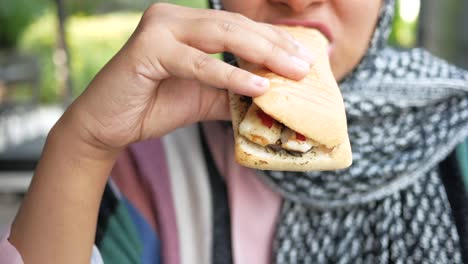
point(171, 173)
point(123, 234)
point(167, 179)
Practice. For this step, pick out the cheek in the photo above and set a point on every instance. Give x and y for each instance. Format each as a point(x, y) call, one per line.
point(357, 23)
point(359, 19)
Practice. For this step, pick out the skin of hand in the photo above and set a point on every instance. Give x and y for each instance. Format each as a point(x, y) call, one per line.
point(160, 80)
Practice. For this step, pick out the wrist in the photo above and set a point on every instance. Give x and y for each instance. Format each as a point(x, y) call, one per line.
point(72, 133)
point(69, 178)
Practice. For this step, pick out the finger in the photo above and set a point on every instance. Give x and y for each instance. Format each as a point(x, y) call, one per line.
point(291, 45)
point(214, 36)
point(195, 64)
point(280, 37)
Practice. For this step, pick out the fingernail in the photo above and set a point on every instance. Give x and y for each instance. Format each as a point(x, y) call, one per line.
point(259, 83)
point(303, 65)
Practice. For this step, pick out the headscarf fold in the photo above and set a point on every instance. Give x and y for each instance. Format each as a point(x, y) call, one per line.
point(406, 111)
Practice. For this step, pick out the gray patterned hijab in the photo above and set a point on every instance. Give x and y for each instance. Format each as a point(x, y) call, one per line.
point(406, 110)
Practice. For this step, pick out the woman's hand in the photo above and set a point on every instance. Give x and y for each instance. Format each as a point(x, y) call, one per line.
point(163, 78)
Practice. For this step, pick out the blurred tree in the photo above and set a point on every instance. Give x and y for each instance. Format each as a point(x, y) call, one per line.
point(83, 7)
point(405, 25)
point(462, 59)
point(92, 40)
point(62, 57)
point(15, 16)
point(441, 29)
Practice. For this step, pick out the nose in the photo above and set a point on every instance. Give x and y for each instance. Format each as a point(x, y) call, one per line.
point(298, 5)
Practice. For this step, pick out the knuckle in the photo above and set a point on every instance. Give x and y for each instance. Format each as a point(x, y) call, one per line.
point(227, 26)
point(283, 37)
point(156, 12)
point(230, 75)
point(158, 8)
point(288, 45)
point(278, 39)
point(201, 62)
point(271, 51)
point(272, 47)
point(282, 32)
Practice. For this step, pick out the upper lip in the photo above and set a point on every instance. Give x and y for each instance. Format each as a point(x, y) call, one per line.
point(307, 23)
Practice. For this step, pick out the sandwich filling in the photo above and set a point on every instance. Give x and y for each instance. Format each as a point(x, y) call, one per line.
point(261, 129)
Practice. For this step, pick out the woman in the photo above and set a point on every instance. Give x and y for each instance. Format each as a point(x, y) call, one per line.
point(406, 112)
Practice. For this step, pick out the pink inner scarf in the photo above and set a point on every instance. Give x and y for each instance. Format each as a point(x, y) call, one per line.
point(254, 207)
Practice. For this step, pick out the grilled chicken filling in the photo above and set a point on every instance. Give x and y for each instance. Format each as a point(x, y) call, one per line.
point(263, 130)
point(259, 127)
point(294, 141)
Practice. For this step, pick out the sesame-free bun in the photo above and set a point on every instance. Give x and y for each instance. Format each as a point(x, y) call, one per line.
point(312, 106)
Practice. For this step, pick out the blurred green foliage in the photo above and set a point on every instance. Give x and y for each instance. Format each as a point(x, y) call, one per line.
point(39, 39)
point(92, 42)
point(189, 3)
point(404, 33)
point(15, 16)
point(93, 7)
point(82, 7)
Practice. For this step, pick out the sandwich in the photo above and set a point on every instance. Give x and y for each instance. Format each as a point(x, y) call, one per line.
point(295, 125)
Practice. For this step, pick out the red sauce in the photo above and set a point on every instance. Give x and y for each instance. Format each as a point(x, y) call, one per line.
point(266, 119)
point(300, 137)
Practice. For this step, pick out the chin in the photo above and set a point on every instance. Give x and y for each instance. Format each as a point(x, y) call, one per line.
point(342, 68)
